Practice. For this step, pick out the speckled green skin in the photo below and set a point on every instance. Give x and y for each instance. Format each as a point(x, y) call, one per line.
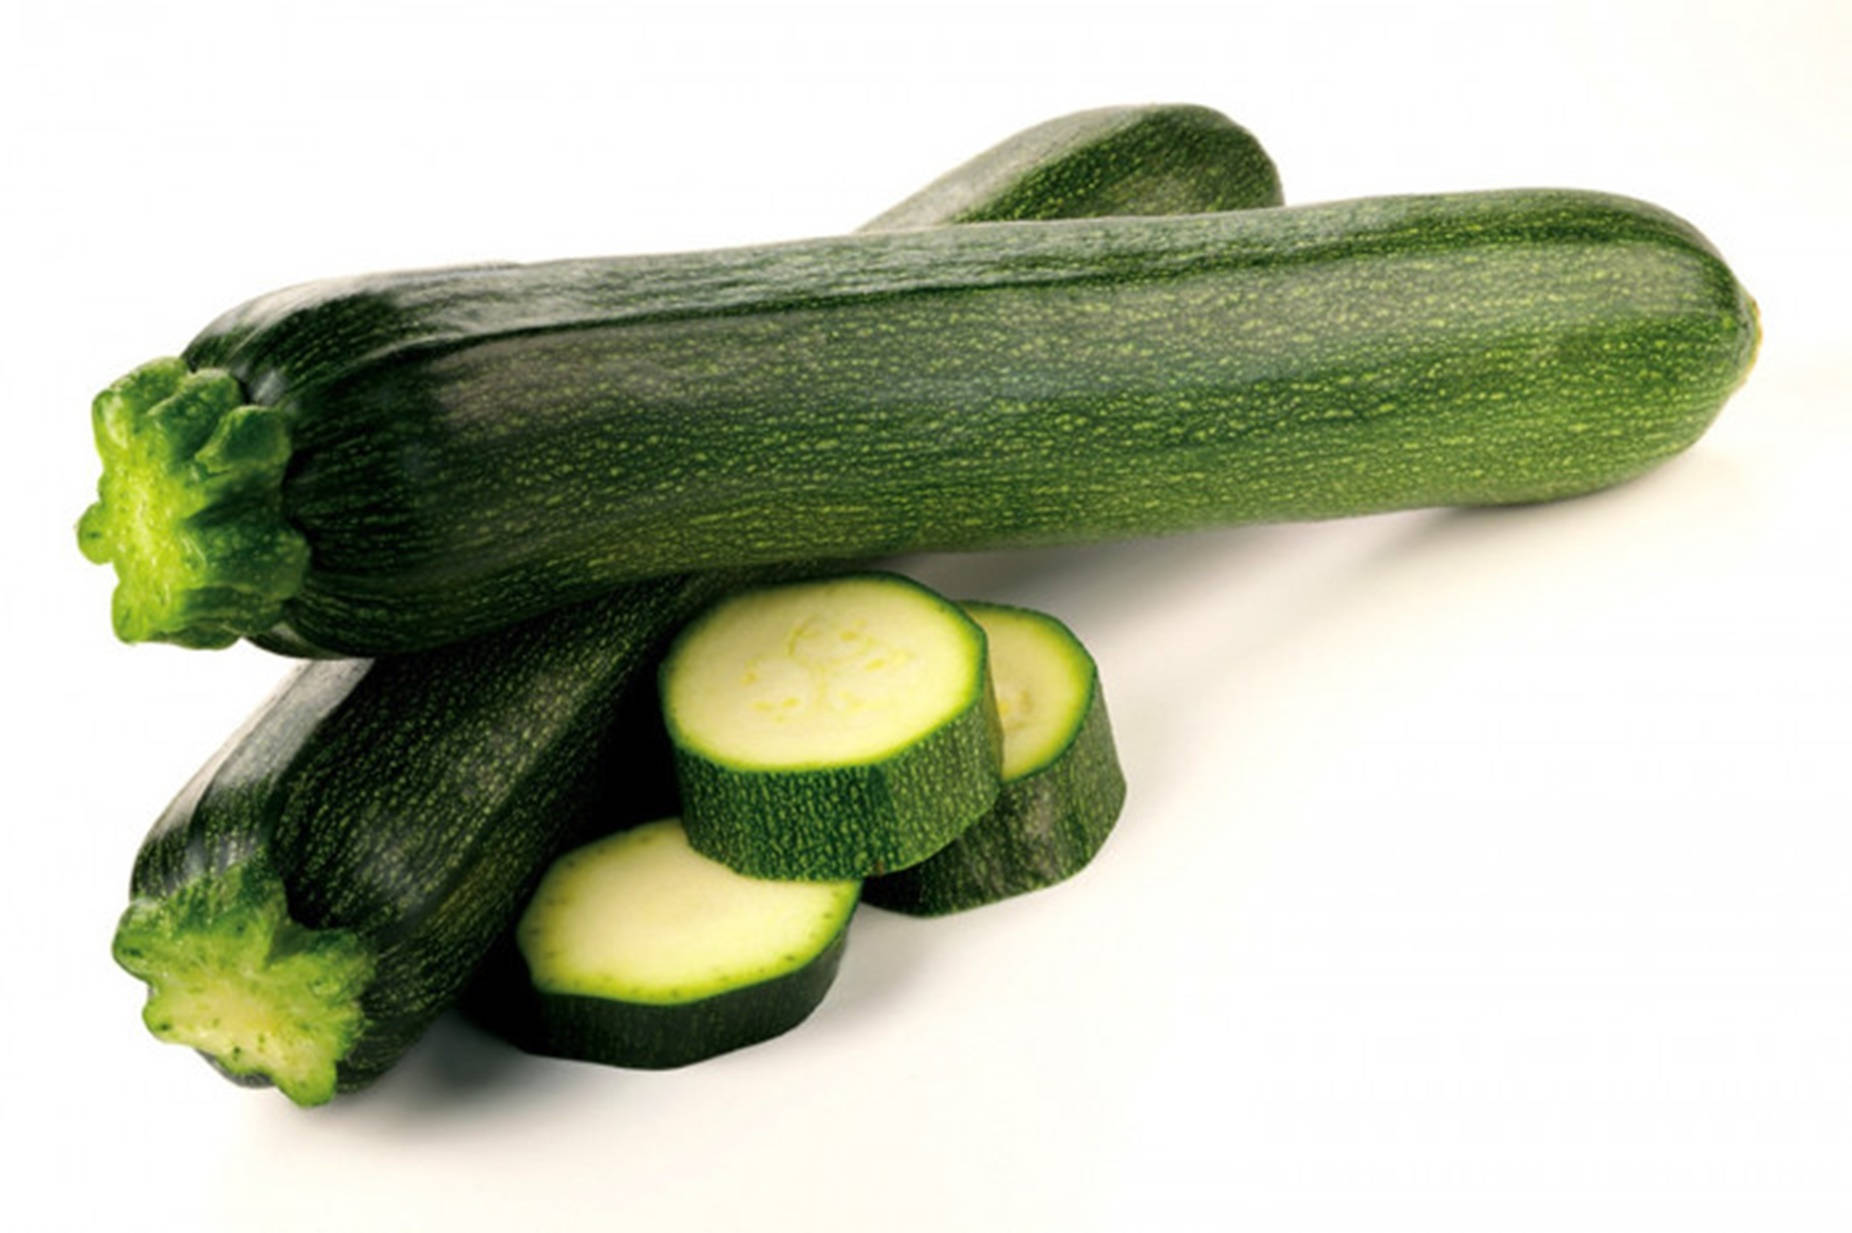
point(640, 1035)
point(411, 803)
point(851, 820)
point(476, 446)
point(1130, 160)
point(1188, 160)
point(1046, 825)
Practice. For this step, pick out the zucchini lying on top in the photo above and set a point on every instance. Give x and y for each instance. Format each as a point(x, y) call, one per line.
point(392, 462)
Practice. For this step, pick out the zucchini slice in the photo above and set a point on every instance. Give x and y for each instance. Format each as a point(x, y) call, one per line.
point(1062, 786)
point(831, 729)
point(638, 951)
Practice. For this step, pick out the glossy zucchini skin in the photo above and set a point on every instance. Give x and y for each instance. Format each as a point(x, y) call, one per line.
point(472, 446)
point(393, 815)
point(1187, 160)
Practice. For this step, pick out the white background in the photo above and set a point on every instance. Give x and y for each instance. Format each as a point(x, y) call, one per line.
point(1481, 871)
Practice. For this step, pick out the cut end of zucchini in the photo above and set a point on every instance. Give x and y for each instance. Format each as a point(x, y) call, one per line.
point(190, 507)
point(231, 975)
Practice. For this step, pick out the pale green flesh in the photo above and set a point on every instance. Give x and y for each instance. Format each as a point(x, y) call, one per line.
point(831, 673)
point(1042, 679)
point(642, 917)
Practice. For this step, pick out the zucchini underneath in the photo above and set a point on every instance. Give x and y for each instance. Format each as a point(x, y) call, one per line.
point(638, 951)
point(326, 885)
point(1162, 158)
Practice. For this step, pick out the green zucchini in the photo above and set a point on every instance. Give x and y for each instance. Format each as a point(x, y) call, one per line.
point(834, 728)
point(467, 447)
point(638, 951)
point(209, 543)
point(330, 875)
point(1062, 787)
point(325, 885)
point(1189, 160)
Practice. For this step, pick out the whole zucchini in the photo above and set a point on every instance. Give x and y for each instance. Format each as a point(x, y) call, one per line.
point(326, 885)
point(323, 887)
point(429, 455)
point(453, 450)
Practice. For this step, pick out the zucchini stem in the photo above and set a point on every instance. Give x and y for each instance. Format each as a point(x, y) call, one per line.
point(230, 974)
point(190, 507)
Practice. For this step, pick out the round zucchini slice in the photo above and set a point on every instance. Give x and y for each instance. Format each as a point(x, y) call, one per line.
point(1062, 787)
point(831, 729)
point(638, 951)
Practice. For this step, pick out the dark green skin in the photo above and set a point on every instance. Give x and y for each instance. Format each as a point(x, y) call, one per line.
point(1044, 828)
point(414, 801)
point(1189, 160)
point(477, 446)
point(641, 1035)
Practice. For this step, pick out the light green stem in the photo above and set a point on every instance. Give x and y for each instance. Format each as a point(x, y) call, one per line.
point(231, 975)
point(190, 507)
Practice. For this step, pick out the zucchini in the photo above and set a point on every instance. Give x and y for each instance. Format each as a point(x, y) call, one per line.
point(467, 447)
point(1188, 160)
point(831, 729)
point(638, 951)
point(1062, 787)
point(331, 874)
point(326, 884)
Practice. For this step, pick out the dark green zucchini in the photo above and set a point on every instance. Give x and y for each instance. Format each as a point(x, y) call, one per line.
point(192, 507)
point(1189, 160)
point(324, 887)
point(472, 446)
